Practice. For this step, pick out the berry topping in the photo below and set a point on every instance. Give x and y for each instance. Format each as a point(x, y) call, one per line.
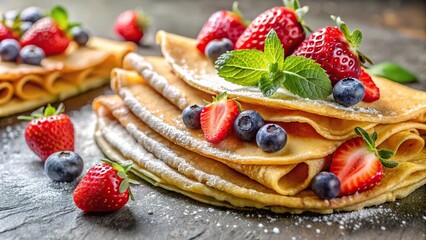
point(191, 116)
point(372, 92)
point(63, 166)
point(9, 50)
point(217, 47)
point(31, 54)
point(104, 188)
point(49, 131)
point(80, 36)
point(335, 49)
point(285, 20)
point(50, 33)
point(6, 32)
point(10, 15)
point(271, 138)
point(217, 118)
point(326, 185)
point(221, 24)
point(247, 124)
point(348, 91)
point(130, 25)
point(31, 14)
point(358, 164)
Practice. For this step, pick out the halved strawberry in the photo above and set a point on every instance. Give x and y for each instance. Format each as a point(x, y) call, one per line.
point(372, 92)
point(358, 164)
point(217, 118)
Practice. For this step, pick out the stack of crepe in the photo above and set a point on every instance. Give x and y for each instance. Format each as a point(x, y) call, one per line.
point(142, 122)
point(24, 87)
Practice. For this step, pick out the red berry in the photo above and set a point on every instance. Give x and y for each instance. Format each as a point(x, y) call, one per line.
point(130, 25)
point(372, 92)
point(6, 33)
point(217, 118)
point(285, 23)
point(221, 24)
point(46, 35)
point(357, 168)
point(103, 188)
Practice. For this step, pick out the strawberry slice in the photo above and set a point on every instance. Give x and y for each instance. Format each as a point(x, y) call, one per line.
point(372, 92)
point(217, 118)
point(358, 164)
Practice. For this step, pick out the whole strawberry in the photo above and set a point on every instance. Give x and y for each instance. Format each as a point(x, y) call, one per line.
point(50, 33)
point(335, 49)
point(221, 24)
point(130, 25)
point(285, 20)
point(104, 188)
point(49, 131)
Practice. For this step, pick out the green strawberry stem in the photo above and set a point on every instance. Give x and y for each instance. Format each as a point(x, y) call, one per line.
point(47, 111)
point(237, 11)
point(354, 39)
point(122, 170)
point(300, 12)
point(383, 154)
point(143, 21)
point(223, 97)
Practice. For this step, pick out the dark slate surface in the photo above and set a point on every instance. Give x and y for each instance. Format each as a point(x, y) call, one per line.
point(33, 207)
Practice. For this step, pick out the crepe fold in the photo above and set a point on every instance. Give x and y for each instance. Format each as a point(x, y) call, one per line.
point(142, 122)
point(172, 167)
point(24, 87)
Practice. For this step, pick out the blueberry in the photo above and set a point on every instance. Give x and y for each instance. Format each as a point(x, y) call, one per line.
point(31, 14)
point(191, 116)
point(9, 49)
point(25, 26)
point(271, 138)
point(326, 185)
point(63, 166)
point(247, 124)
point(80, 36)
point(348, 91)
point(31, 55)
point(215, 48)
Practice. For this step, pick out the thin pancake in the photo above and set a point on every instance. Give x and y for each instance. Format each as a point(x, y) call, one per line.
point(397, 102)
point(156, 72)
point(210, 188)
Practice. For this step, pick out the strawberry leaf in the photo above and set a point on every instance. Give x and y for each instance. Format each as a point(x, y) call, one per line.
point(306, 78)
point(274, 50)
point(60, 16)
point(385, 154)
point(242, 67)
point(124, 185)
point(367, 139)
point(389, 164)
point(121, 174)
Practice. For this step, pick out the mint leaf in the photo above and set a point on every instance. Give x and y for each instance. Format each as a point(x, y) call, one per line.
point(306, 78)
point(60, 16)
point(269, 83)
point(274, 51)
point(392, 72)
point(242, 67)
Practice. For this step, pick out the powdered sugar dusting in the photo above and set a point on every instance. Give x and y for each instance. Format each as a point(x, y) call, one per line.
point(158, 82)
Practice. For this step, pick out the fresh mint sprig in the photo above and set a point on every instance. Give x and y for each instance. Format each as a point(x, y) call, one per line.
point(270, 70)
point(383, 154)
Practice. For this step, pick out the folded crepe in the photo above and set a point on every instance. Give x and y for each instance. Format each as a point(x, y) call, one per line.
point(24, 87)
point(143, 123)
point(121, 135)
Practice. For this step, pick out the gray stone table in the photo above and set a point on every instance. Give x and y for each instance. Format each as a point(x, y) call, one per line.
point(34, 207)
